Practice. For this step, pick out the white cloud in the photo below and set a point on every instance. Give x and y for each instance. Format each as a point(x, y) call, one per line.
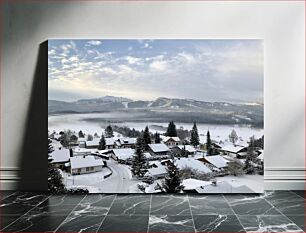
point(132, 60)
point(94, 42)
point(159, 65)
point(64, 60)
point(73, 58)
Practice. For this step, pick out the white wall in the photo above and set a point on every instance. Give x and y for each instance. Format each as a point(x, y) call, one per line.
point(26, 25)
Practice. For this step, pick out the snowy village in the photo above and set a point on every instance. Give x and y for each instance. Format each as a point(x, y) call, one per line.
point(123, 160)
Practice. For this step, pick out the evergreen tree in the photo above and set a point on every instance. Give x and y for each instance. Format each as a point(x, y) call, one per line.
point(89, 137)
point(73, 138)
point(102, 143)
point(65, 138)
point(172, 183)
point(146, 137)
point(55, 183)
point(235, 168)
point(171, 130)
point(233, 137)
point(259, 142)
point(194, 139)
point(109, 132)
point(208, 144)
point(139, 163)
point(157, 138)
point(81, 134)
point(248, 167)
point(96, 135)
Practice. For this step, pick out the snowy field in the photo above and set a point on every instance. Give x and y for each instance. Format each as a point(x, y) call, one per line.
point(76, 122)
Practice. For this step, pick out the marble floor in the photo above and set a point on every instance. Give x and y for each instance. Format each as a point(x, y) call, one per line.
point(275, 211)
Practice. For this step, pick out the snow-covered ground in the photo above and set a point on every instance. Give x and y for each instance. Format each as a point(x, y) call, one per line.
point(77, 122)
point(121, 180)
point(92, 181)
point(254, 182)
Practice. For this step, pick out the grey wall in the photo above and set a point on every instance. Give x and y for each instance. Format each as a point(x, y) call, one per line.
point(23, 70)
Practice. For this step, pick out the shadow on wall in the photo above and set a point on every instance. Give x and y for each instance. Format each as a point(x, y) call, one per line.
point(33, 160)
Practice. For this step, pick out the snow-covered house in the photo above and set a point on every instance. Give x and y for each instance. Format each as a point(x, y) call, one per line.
point(94, 143)
point(189, 150)
point(56, 144)
point(223, 187)
point(190, 185)
point(157, 172)
point(123, 154)
point(85, 164)
point(60, 157)
point(171, 141)
point(192, 163)
point(234, 151)
point(126, 142)
point(159, 149)
point(215, 161)
point(214, 144)
point(110, 143)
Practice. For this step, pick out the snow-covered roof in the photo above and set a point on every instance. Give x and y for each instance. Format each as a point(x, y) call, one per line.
point(127, 141)
point(94, 142)
point(166, 139)
point(155, 162)
point(110, 141)
point(83, 150)
point(81, 139)
point(60, 155)
point(232, 148)
point(192, 163)
point(223, 187)
point(191, 184)
point(124, 153)
point(147, 155)
point(188, 148)
point(261, 155)
point(57, 136)
point(217, 160)
point(87, 161)
point(159, 147)
point(56, 144)
point(161, 170)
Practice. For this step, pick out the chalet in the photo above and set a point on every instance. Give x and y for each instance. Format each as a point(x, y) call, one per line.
point(192, 163)
point(234, 151)
point(215, 162)
point(190, 185)
point(93, 144)
point(82, 142)
point(123, 154)
point(214, 144)
point(189, 150)
point(60, 157)
point(157, 172)
point(126, 142)
point(159, 149)
point(171, 141)
point(85, 164)
point(110, 143)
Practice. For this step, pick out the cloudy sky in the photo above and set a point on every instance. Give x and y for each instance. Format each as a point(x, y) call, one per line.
point(208, 70)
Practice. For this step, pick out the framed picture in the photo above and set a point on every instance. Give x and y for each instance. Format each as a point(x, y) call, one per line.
point(155, 116)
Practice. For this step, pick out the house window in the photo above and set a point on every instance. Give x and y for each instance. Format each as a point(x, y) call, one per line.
point(87, 169)
point(91, 169)
point(79, 170)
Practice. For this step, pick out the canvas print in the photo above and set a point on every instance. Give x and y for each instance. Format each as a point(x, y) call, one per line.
point(155, 116)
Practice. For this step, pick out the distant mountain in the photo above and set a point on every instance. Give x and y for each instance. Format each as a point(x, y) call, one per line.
point(105, 99)
point(184, 110)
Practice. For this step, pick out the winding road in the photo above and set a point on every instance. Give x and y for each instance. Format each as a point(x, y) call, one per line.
point(120, 181)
